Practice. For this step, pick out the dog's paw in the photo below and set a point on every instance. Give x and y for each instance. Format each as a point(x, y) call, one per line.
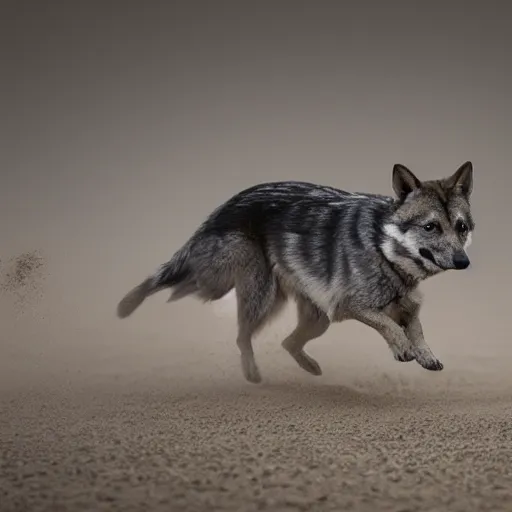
point(250, 370)
point(404, 356)
point(433, 365)
point(305, 361)
point(429, 362)
point(308, 363)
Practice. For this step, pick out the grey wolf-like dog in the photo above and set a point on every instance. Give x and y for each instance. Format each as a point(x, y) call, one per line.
point(340, 255)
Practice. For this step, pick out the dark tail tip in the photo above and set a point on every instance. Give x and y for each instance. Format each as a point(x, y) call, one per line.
point(134, 298)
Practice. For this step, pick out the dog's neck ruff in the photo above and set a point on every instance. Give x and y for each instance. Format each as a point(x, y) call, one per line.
point(403, 256)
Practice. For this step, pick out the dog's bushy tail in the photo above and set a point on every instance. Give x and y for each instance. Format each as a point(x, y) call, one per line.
point(175, 273)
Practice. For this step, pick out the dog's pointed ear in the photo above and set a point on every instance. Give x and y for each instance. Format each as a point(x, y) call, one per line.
point(404, 181)
point(461, 182)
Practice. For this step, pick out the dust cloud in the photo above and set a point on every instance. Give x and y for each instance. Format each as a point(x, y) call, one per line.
point(22, 280)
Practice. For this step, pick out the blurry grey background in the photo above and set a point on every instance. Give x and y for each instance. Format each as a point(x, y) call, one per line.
point(124, 124)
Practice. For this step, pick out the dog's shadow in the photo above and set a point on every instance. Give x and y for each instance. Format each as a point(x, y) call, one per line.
point(324, 394)
point(284, 394)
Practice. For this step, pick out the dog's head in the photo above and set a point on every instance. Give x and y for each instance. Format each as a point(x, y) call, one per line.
point(431, 227)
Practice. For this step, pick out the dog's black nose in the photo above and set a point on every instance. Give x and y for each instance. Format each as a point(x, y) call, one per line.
point(460, 260)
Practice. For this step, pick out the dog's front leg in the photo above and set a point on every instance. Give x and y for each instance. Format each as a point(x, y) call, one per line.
point(389, 329)
point(421, 351)
point(409, 319)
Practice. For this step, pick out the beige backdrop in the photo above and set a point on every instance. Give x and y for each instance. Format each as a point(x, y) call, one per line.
point(123, 126)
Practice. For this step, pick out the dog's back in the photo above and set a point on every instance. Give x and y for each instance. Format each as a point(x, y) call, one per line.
point(307, 239)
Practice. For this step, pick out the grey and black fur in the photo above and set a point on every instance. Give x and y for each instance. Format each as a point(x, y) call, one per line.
point(340, 255)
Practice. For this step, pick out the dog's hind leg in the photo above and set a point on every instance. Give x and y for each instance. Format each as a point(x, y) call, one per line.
point(311, 324)
point(258, 298)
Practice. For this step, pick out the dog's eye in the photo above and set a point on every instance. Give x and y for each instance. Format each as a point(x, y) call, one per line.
point(462, 227)
point(431, 226)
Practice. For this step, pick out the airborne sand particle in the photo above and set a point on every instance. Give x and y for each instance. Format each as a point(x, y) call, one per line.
point(22, 280)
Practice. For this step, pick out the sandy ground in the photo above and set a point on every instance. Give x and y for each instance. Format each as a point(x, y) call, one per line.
point(166, 422)
point(138, 446)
